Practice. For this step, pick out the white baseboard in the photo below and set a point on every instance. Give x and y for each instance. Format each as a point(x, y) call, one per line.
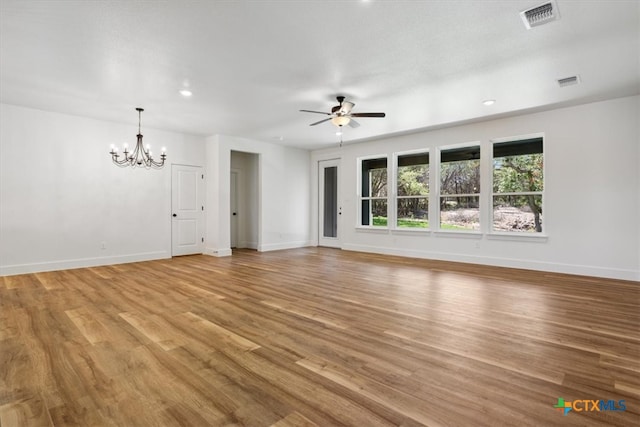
point(581, 270)
point(10, 270)
point(217, 252)
point(248, 245)
point(280, 246)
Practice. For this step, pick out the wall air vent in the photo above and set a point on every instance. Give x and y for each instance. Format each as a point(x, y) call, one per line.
point(569, 81)
point(540, 15)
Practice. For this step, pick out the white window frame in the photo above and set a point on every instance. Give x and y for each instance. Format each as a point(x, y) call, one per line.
point(517, 235)
point(395, 196)
point(438, 194)
point(361, 198)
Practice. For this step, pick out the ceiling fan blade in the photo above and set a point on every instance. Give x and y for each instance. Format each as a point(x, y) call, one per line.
point(353, 124)
point(368, 115)
point(317, 112)
point(321, 121)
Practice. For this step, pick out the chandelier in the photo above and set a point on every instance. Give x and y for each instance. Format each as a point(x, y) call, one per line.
point(140, 156)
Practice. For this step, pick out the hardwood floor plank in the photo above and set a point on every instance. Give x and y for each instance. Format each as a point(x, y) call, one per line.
point(90, 328)
point(220, 332)
point(306, 314)
point(248, 399)
point(399, 402)
point(49, 281)
point(633, 389)
point(154, 329)
point(30, 411)
point(294, 420)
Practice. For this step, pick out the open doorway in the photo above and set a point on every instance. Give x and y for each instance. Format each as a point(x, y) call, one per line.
point(244, 200)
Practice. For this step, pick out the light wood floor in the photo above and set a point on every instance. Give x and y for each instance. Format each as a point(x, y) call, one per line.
point(315, 337)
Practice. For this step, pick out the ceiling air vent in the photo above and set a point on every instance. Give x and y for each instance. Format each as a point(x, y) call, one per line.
point(540, 15)
point(569, 81)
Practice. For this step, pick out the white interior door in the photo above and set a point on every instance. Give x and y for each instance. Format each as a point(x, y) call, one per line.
point(187, 204)
point(234, 209)
point(329, 203)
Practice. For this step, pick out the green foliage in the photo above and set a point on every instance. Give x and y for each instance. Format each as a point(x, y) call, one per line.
point(516, 174)
point(462, 177)
point(413, 180)
point(378, 180)
point(413, 223)
point(520, 174)
point(380, 221)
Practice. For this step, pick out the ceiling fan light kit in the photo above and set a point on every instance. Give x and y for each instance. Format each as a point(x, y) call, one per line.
point(340, 121)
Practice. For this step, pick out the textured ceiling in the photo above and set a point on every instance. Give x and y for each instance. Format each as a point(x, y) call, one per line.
point(253, 64)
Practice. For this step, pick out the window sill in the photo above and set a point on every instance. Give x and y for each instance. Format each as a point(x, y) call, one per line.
point(471, 234)
point(408, 231)
point(518, 237)
point(372, 229)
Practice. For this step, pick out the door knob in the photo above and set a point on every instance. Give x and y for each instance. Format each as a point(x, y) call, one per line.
point(175, 215)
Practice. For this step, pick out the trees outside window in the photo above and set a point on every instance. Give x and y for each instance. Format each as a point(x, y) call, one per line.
point(412, 199)
point(460, 188)
point(518, 184)
point(374, 192)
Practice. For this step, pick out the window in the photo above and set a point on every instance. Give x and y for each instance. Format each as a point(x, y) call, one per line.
point(373, 197)
point(518, 186)
point(412, 201)
point(460, 188)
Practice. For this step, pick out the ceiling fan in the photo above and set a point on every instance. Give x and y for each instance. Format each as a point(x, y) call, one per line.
point(341, 114)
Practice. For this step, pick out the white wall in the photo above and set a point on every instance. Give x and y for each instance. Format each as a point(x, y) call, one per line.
point(61, 197)
point(592, 191)
point(284, 187)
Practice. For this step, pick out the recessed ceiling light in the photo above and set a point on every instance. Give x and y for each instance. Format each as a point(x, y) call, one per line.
point(186, 93)
point(488, 102)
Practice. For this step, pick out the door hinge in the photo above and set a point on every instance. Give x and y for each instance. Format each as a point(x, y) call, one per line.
point(203, 208)
point(203, 240)
point(202, 176)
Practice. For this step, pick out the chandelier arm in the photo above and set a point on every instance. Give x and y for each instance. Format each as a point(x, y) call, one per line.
point(115, 158)
point(137, 158)
point(157, 164)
